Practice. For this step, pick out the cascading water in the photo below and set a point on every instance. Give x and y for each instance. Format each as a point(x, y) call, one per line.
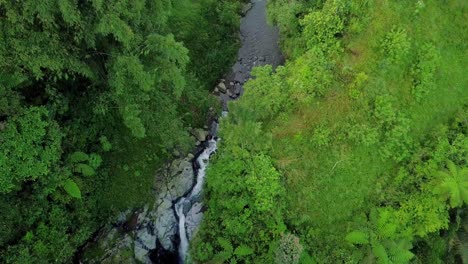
point(259, 47)
point(202, 162)
point(151, 232)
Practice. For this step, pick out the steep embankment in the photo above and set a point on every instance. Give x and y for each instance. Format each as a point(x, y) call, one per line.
point(161, 233)
point(356, 150)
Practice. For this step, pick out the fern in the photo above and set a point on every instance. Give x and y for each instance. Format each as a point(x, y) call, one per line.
point(243, 250)
point(357, 237)
point(453, 185)
point(226, 253)
point(380, 252)
point(225, 244)
point(399, 252)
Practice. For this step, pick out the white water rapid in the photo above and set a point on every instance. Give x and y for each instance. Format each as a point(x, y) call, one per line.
point(259, 46)
point(202, 161)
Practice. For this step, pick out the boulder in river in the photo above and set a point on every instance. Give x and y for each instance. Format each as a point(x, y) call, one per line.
point(200, 134)
point(221, 87)
point(181, 178)
point(245, 8)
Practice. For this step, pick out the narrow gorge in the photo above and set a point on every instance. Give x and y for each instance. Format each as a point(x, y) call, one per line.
point(161, 233)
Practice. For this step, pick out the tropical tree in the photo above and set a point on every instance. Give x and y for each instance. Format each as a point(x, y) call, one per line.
point(384, 242)
point(453, 184)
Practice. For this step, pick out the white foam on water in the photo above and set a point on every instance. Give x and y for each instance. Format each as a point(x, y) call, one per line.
point(202, 161)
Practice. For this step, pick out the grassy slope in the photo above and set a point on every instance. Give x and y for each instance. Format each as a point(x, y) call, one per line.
point(352, 134)
point(330, 185)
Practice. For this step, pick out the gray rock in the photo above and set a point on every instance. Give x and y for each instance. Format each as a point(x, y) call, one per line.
point(222, 87)
point(190, 156)
point(144, 242)
point(141, 254)
point(193, 219)
point(123, 216)
point(246, 8)
point(166, 224)
point(237, 89)
point(181, 179)
point(200, 134)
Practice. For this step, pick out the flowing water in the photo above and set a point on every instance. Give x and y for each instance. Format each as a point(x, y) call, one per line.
point(259, 46)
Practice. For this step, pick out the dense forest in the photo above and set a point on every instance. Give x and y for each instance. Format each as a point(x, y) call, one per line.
point(354, 151)
point(94, 96)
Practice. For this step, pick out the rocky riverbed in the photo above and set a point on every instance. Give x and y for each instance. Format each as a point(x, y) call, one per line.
point(153, 233)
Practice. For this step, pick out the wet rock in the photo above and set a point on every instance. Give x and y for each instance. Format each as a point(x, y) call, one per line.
point(159, 255)
point(193, 219)
point(237, 89)
point(166, 224)
point(145, 241)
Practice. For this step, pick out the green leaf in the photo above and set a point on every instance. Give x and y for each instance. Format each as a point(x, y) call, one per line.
point(243, 250)
point(85, 169)
point(78, 156)
point(72, 189)
point(357, 237)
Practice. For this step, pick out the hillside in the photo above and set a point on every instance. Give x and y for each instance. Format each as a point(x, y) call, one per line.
point(354, 151)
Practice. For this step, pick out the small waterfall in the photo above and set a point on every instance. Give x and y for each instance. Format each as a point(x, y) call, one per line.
point(259, 47)
point(202, 161)
point(183, 247)
point(184, 202)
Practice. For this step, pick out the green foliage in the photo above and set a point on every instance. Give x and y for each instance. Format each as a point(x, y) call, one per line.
point(72, 188)
point(358, 132)
point(322, 27)
point(289, 250)
point(242, 225)
point(243, 250)
point(94, 96)
point(424, 70)
point(396, 45)
point(453, 185)
point(30, 149)
point(357, 237)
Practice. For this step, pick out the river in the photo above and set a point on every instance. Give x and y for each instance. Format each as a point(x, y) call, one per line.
point(259, 46)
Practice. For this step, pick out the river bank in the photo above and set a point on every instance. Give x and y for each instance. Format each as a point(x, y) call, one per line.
point(160, 233)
